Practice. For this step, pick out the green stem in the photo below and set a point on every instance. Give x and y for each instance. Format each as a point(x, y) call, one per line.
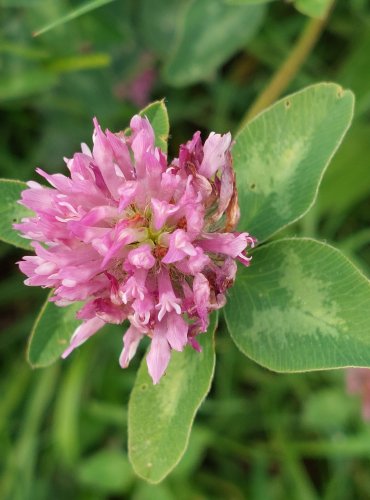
point(308, 223)
point(290, 67)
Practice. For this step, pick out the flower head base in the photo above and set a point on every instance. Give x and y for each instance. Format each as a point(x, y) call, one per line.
point(137, 238)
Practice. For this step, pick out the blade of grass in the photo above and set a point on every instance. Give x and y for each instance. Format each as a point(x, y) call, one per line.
point(16, 386)
point(22, 460)
point(67, 411)
point(297, 478)
point(83, 9)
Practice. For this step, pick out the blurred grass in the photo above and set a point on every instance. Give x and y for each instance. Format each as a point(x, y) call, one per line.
point(258, 435)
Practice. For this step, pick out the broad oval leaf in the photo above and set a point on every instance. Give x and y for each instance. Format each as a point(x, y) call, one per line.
point(156, 112)
point(211, 33)
point(302, 305)
point(281, 156)
point(51, 333)
point(166, 16)
point(12, 212)
point(160, 416)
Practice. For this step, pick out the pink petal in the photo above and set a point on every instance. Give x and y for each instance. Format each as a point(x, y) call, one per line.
point(82, 333)
point(141, 257)
point(131, 340)
point(215, 149)
point(167, 299)
point(179, 248)
point(201, 298)
point(161, 211)
point(158, 357)
point(177, 331)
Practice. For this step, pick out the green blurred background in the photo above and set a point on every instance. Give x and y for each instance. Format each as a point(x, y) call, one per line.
point(259, 435)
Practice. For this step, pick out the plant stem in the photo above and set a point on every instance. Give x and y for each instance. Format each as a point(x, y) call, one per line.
point(290, 67)
point(308, 223)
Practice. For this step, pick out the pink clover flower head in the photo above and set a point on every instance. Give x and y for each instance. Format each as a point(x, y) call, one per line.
point(138, 238)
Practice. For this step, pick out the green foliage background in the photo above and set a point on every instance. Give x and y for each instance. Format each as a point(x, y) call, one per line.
point(259, 434)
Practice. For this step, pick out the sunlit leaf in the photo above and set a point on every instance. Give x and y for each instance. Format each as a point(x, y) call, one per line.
point(281, 155)
point(301, 305)
point(161, 416)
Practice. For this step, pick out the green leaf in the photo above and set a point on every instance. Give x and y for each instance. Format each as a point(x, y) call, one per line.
point(313, 8)
point(51, 333)
point(107, 471)
point(11, 212)
point(165, 16)
point(161, 416)
point(281, 156)
point(211, 33)
point(301, 305)
point(82, 9)
point(156, 112)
